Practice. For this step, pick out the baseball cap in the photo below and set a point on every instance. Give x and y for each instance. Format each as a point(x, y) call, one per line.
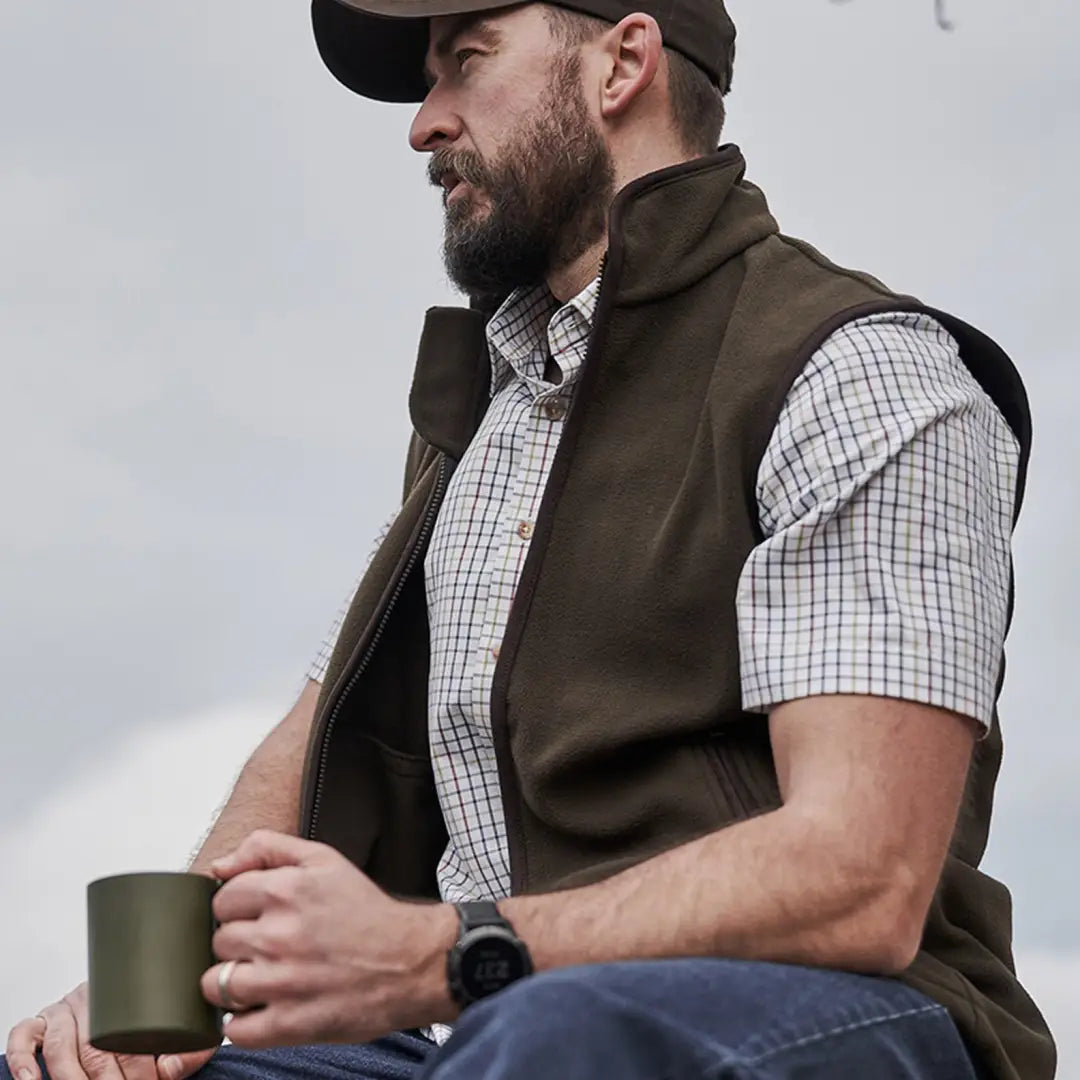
point(377, 47)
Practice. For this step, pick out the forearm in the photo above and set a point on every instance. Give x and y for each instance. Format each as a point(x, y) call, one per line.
point(266, 795)
point(772, 888)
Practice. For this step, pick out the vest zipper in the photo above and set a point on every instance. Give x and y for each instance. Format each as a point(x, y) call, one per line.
point(430, 514)
point(509, 788)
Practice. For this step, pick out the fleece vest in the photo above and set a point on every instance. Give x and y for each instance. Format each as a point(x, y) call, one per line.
point(616, 707)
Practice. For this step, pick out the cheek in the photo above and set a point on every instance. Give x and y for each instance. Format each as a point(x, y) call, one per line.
point(495, 113)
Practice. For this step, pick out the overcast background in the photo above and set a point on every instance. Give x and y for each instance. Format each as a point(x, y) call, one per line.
point(214, 262)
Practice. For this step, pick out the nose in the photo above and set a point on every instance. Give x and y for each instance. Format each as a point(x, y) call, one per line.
point(435, 123)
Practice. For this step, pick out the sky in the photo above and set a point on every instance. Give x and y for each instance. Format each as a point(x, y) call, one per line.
point(214, 263)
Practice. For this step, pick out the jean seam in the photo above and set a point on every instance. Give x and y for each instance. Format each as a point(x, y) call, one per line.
point(841, 1029)
point(737, 1058)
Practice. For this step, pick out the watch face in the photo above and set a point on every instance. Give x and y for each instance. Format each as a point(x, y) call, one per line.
point(490, 964)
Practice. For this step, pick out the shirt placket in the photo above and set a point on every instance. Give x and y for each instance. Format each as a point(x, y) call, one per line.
point(540, 411)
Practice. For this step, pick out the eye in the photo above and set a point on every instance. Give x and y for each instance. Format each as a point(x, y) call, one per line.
point(462, 55)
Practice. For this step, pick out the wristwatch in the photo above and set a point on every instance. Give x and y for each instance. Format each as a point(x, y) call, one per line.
point(487, 956)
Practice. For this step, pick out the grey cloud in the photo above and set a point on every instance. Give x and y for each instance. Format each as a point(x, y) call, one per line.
point(213, 266)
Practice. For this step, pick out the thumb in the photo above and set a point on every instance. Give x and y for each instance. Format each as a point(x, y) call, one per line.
point(180, 1066)
point(265, 849)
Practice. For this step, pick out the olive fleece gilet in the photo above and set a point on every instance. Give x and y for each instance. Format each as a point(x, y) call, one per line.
point(616, 707)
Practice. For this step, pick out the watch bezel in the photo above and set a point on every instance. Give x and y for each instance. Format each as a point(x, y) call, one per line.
point(461, 987)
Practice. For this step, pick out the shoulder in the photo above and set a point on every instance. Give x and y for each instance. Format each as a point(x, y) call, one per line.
point(900, 368)
point(873, 388)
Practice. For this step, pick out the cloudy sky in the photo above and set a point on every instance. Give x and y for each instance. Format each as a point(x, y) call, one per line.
point(213, 266)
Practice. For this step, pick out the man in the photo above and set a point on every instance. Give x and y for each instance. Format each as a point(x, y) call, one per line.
point(684, 646)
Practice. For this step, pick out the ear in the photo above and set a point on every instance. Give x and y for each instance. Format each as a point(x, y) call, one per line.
point(634, 48)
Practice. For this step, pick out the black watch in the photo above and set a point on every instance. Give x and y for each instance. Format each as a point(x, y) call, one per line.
point(487, 956)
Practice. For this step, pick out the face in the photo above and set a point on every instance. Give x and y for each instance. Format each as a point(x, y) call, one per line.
point(526, 176)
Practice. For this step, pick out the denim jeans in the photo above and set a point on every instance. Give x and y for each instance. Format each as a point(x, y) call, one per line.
point(697, 1019)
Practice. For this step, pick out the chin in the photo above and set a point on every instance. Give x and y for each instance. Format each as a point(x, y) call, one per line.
point(464, 211)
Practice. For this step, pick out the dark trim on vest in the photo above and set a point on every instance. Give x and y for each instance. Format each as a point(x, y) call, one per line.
point(510, 789)
point(1001, 382)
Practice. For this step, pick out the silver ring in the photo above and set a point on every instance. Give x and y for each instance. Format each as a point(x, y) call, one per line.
point(225, 973)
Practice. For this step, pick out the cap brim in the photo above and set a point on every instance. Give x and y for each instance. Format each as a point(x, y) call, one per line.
point(376, 48)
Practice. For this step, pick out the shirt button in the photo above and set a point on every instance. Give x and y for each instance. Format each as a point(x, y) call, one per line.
point(555, 409)
point(525, 529)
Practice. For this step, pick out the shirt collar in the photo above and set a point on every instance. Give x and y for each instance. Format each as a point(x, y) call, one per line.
point(530, 323)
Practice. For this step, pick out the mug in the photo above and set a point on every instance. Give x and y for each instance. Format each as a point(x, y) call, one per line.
point(149, 938)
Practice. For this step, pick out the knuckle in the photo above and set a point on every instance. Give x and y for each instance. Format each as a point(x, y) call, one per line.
point(94, 1061)
point(276, 893)
point(282, 888)
point(56, 1037)
point(225, 941)
point(308, 883)
point(59, 1026)
point(276, 937)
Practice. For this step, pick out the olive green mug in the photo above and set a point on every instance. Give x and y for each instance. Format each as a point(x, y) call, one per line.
point(149, 939)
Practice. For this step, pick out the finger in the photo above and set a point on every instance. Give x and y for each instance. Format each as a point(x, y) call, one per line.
point(237, 941)
point(264, 850)
point(181, 1066)
point(275, 1025)
point(60, 1045)
point(251, 892)
point(103, 1065)
point(97, 1064)
point(244, 985)
point(22, 1047)
point(137, 1066)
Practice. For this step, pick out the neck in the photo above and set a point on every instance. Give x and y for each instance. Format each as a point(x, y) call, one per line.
point(569, 280)
point(630, 164)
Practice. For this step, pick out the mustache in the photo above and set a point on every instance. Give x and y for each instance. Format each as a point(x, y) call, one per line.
point(467, 165)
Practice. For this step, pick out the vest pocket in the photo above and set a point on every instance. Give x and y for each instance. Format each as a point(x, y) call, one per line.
point(410, 836)
point(743, 767)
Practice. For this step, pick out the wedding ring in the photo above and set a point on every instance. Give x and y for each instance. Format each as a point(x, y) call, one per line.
point(225, 973)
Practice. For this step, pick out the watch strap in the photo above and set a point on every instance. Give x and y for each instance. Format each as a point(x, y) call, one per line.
point(476, 913)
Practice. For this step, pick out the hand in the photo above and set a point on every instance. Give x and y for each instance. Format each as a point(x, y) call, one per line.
point(322, 954)
point(62, 1031)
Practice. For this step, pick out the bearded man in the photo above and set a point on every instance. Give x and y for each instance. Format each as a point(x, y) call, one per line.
point(659, 739)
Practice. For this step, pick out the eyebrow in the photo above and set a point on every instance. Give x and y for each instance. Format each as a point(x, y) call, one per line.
point(474, 22)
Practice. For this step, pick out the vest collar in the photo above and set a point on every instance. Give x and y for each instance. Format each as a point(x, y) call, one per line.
point(670, 228)
point(666, 231)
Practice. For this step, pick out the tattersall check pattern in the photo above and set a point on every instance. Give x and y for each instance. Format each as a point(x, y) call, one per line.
point(886, 496)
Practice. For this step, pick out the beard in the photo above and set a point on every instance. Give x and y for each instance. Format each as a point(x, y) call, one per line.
point(548, 195)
